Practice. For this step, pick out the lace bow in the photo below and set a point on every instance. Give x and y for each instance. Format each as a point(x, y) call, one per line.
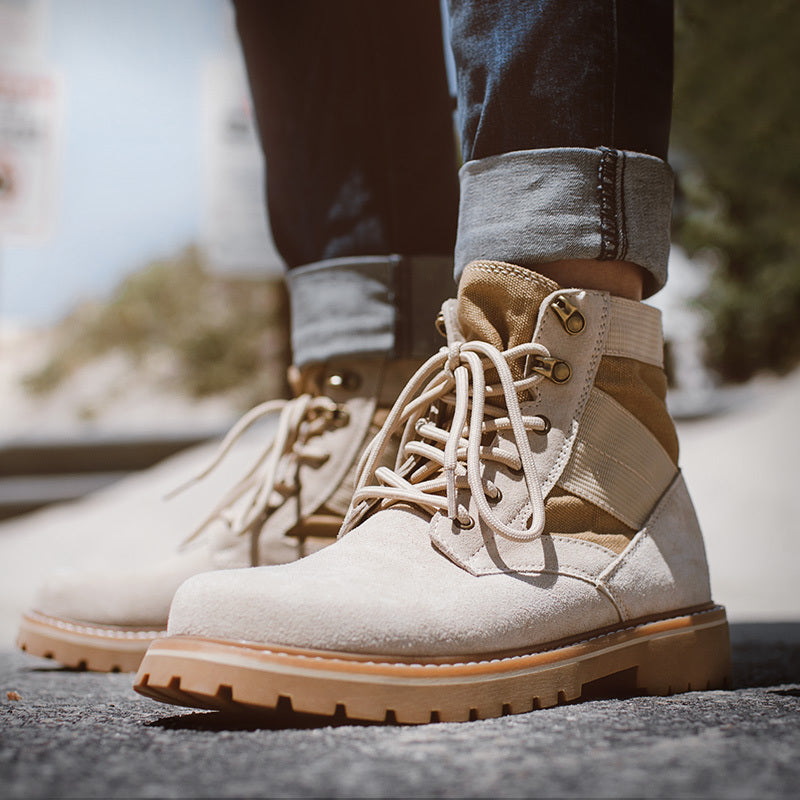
point(273, 476)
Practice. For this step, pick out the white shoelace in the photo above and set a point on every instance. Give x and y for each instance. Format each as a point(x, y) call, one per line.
point(433, 462)
point(272, 478)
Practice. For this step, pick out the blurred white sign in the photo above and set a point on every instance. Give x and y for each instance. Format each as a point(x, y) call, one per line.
point(22, 28)
point(29, 127)
point(236, 236)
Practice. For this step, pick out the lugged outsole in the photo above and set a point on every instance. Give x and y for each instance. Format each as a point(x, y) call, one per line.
point(84, 646)
point(666, 656)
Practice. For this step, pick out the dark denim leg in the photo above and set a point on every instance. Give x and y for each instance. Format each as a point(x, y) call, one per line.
point(564, 110)
point(536, 74)
point(355, 118)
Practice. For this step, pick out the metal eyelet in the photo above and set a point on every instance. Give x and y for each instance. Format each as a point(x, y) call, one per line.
point(552, 368)
point(547, 425)
point(571, 318)
point(349, 381)
point(497, 497)
point(439, 324)
point(464, 526)
point(513, 471)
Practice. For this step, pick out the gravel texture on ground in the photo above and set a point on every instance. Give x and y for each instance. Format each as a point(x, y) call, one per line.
point(78, 734)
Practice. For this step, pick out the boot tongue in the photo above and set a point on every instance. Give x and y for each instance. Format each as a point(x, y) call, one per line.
point(499, 303)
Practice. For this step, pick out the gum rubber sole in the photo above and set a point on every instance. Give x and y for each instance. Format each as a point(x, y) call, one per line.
point(82, 645)
point(679, 654)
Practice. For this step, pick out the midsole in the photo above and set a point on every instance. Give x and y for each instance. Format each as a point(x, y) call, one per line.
point(383, 669)
point(79, 633)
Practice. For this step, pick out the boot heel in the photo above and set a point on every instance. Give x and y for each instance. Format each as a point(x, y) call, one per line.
point(695, 658)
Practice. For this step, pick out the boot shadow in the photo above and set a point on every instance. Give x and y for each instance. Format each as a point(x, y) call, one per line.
point(277, 719)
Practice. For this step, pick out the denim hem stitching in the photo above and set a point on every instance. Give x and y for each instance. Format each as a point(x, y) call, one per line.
point(622, 227)
point(607, 189)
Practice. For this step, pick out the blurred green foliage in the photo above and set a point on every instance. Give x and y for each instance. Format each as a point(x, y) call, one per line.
point(736, 142)
point(223, 333)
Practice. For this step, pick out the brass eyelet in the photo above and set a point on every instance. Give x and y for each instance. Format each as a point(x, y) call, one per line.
point(552, 368)
point(349, 381)
point(464, 526)
point(439, 324)
point(571, 318)
point(497, 497)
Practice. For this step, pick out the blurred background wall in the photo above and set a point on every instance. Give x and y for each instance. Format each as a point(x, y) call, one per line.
point(131, 121)
point(140, 291)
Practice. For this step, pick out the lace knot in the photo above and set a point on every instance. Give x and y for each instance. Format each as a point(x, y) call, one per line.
point(438, 459)
point(453, 358)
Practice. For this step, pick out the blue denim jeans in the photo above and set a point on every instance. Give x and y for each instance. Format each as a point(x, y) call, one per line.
point(563, 114)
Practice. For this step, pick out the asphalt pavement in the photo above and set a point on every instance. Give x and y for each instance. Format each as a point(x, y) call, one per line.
point(79, 734)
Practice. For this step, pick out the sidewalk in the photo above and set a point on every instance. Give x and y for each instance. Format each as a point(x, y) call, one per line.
point(742, 469)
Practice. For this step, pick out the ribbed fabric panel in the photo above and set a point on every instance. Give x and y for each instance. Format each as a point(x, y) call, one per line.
point(635, 332)
point(616, 463)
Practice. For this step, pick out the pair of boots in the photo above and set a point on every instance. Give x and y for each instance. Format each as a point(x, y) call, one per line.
point(516, 530)
point(290, 503)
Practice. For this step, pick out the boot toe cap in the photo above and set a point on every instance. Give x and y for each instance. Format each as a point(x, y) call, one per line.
point(363, 596)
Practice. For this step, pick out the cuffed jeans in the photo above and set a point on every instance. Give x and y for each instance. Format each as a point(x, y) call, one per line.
point(563, 113)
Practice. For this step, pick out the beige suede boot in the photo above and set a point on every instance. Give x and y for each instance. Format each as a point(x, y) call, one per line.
point(291, 502)
point(534, 539)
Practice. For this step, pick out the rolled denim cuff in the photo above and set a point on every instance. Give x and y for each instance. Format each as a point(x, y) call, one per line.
point(534, 206)
point(381, 305)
